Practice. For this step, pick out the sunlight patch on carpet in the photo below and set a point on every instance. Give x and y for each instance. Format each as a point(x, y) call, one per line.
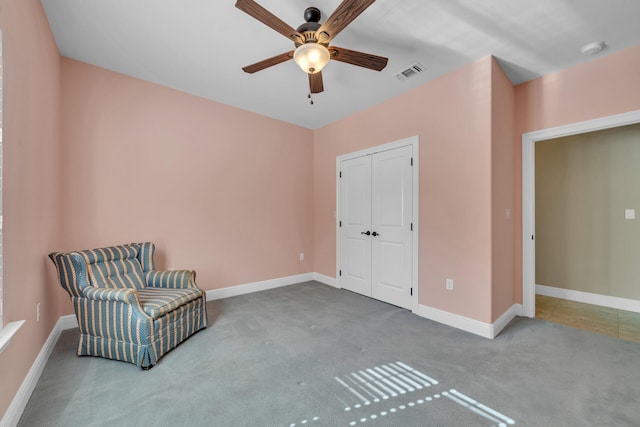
point(386, 391)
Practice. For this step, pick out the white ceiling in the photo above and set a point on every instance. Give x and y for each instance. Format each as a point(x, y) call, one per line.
point(200, 46)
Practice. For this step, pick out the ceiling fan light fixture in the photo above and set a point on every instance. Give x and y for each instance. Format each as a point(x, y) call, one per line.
point(311, 57)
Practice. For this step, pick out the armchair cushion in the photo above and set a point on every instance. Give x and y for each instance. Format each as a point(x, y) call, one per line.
point(156, 302)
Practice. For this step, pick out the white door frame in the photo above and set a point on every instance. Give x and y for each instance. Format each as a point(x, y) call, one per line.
point(413, 141)
point(529, 193)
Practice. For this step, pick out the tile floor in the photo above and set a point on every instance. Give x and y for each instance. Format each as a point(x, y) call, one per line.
point(609, 321)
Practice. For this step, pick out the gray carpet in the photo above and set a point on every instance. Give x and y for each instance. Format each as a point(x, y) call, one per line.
point(311, 355)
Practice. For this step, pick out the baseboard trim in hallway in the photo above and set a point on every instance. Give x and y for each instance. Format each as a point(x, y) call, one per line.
point(589, 298)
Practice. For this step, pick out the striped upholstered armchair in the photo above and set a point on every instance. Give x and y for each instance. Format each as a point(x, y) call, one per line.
point(126, 309)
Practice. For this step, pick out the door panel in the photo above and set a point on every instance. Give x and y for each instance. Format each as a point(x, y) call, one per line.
point(355, 203)
point(391, 255)
point(391, 219)
point(356, 180)
point(358, 268)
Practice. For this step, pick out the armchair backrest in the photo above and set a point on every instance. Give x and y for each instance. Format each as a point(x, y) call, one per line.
point(72, 272)
point(111, 267)
point(145, 256)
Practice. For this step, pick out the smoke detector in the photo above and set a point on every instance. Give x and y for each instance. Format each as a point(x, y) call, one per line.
point(592, 48)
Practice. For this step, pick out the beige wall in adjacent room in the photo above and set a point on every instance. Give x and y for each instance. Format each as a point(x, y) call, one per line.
point(584, 183)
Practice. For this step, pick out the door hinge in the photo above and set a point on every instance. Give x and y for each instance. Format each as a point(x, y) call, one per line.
point(532, 237)
point(340, 174)
point(412, 161)
point(411, 226)
point(340, 273)
point(340, 223)
point(411, 291)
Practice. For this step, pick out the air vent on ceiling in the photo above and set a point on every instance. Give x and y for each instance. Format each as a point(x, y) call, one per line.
point(410, 72)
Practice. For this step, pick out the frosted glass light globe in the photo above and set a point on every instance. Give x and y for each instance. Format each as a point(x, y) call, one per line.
point(311, 57)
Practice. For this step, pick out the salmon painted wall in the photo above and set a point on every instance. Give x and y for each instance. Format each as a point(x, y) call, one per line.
point(602, 87)
point(31, 73)
point(452, 116)
point(502, 131)
point(219, 190)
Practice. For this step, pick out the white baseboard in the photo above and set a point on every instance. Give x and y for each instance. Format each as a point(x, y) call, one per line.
point(456, 321)
point(486, 330)
point(589, 298)
point(68, 322)
point(248, 288)
point(15, 410)
point(327, 280)
point(502, 321)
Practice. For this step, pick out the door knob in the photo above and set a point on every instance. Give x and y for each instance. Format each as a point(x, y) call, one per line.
point(365, 232)
point(375, 233)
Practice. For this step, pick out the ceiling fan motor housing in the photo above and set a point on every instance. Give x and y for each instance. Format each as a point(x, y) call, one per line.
point(308, 29)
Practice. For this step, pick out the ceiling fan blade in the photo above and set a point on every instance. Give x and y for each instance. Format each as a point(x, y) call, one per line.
point(268, 62)
point(341, 17)
point(361, 59)
point(252, 8)
point(315, 82)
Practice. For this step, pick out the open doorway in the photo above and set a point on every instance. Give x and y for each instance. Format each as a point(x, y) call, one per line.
point(529, 141)
point(580, 196)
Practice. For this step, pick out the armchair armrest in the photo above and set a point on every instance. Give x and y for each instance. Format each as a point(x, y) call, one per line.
point(129, 296)
point(171, 279)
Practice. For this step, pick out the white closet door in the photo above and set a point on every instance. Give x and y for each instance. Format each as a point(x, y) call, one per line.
point(355, 244)
point(391, 213)
point(376, 202)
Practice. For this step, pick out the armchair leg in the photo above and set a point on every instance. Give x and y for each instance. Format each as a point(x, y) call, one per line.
point(146, 368)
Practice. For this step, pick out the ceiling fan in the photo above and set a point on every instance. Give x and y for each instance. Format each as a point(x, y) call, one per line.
point(312, 39)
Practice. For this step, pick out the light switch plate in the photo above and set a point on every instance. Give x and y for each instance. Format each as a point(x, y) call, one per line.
point(629, 214)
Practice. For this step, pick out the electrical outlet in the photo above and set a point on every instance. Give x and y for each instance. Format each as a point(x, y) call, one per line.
point(449, 284)
point(38, 312)
point(301, 256)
